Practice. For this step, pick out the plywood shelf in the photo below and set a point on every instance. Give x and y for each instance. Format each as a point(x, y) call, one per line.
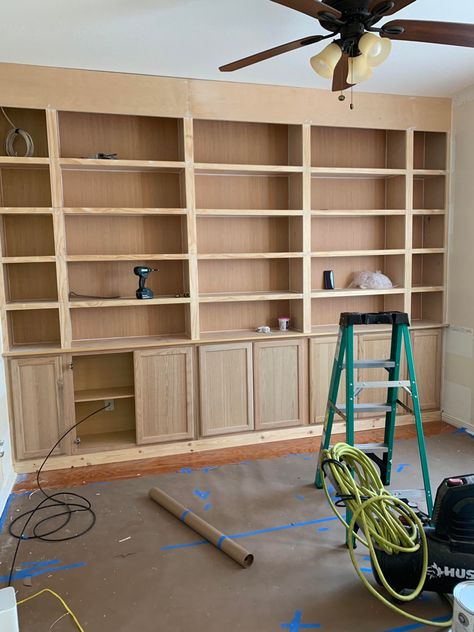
point(22, 161)
point(127, 302)
point(428, 251)
point(88, 345)
point(121, 165)
point(244, 169)
point(26, 210)
point(428, 173)
point(248, 296)
point(349, 292)
point(250, 255)
point(427, 288)
point(38, 304)
point(358, 253)
point(106, 441)
point(97, 394)
point(355, 172)
point(201, 212)
point(128, 257)
point(123, 211)
point(358, 213)
point(30, 259)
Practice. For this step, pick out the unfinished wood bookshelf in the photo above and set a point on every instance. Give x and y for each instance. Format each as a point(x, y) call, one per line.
point(241, 211)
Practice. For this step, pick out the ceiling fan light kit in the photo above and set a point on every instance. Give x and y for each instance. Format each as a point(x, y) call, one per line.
point(359, 45)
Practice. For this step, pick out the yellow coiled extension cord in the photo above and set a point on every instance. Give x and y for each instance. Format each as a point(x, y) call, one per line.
point(378, 515)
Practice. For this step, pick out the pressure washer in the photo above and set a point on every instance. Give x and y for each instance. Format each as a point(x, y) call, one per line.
point(409, 550)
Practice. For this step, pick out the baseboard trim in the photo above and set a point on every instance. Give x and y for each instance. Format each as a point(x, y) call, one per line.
point(455, 421)
point(5, 492)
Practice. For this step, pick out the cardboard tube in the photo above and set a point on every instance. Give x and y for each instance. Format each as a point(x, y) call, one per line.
point(212, 535)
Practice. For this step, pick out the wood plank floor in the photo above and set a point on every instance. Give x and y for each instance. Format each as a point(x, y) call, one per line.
point(73, 477)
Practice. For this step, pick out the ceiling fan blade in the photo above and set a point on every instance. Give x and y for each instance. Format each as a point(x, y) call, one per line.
point(339, 80)
point(451, 33)
point(398, 5)
point(271, 52)
point(312, 8)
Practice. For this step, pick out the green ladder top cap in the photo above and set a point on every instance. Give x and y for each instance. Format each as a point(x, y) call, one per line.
point(373, 318)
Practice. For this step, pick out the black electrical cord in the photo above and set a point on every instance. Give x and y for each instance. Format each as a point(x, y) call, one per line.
point(68, 508)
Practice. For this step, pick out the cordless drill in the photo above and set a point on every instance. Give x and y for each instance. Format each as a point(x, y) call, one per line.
point(142, 272)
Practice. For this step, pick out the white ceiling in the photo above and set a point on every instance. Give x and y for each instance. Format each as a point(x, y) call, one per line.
point(191, 38)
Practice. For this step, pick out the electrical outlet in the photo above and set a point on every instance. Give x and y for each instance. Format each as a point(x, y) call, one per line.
point(110, 403)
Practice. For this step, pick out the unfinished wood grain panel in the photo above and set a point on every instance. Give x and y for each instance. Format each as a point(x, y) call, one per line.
point(84, 135)
point(102, 372)
point(229, 142)
point(33, 121)
point(226, 388)
point(427, 347)
point(429, 192)
point(30, 282)
point(326, 311)
point(428, 231)
point(340, 193)
point(430, 150)
point(37, 386)
point(357, 233)
point(243, 234)
point(345, 267)
point(427, 270)
point(119, 235)
point(34, 327)
point(27, 235)
point(351, 147)
point(130, 189)
point(245, 192)
point(280, 376)
point(122, 322)
point(321, 360)
point(261, 275)
point(25, 187)
point(164, 388)
point(239, 316)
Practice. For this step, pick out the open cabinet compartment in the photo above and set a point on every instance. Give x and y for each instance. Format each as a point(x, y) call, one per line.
point(27, 235)
point(245, 317)
point(33, 122)
point(134, 321)
point(430, 150)
point(230, 142)
point(427, 307)
point(103, 376)
point(35, 327)
point(219, 235)
point(116, 279)
point(249, 275)
point(84, 135)
point(362, 148)
point(344, 269)
point(25, 187)
point(30, 282)
point(428, 231)
point(126, 235)
point(427, 270)
point(106, 430)
point(326, 311)
point(111, 188)
point(357, 193)
point(357, 233)
point(248, 191)
point(429, 192)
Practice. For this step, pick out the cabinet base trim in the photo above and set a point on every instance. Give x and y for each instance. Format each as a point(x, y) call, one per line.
point(201, 445)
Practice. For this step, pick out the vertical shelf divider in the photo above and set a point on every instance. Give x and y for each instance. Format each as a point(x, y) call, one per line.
point(410, 136)
point(307, 317)
point(52, 126)
point(194, 329)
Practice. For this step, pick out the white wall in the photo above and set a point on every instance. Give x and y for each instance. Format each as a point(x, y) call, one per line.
point(458, 386)
point(7, 475)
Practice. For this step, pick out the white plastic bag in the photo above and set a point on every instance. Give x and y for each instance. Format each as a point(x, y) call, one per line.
point(371, 281)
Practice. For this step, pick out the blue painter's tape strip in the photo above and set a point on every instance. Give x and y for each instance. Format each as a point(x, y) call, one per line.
point(417, 626)
point(220, 541)
point(184, 514)
point(248, 534)
point(31, 565)
point(28, 572)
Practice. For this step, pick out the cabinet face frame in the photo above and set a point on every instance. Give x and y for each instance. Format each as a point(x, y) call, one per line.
point(205, 380)
point(62, 394)
point(260, 377)
point(142, 388)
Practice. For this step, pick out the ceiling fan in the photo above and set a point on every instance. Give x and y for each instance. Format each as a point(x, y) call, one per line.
point(359, 46)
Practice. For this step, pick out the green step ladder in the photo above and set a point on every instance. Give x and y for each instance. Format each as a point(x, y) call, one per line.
point(381, 453)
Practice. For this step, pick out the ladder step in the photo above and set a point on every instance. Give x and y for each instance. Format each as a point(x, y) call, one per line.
point(365, 408)
point(372, 447)
point(383, 384)
point(372, 364)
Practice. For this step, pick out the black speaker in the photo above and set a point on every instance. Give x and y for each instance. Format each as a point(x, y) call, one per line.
point(328, 279)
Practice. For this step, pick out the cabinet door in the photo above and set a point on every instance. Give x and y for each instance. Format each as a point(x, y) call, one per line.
point(38, 402)
point(226, 388)
point(321, 360)
point(427, 357)
point(280, 383)
point(164, 401)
